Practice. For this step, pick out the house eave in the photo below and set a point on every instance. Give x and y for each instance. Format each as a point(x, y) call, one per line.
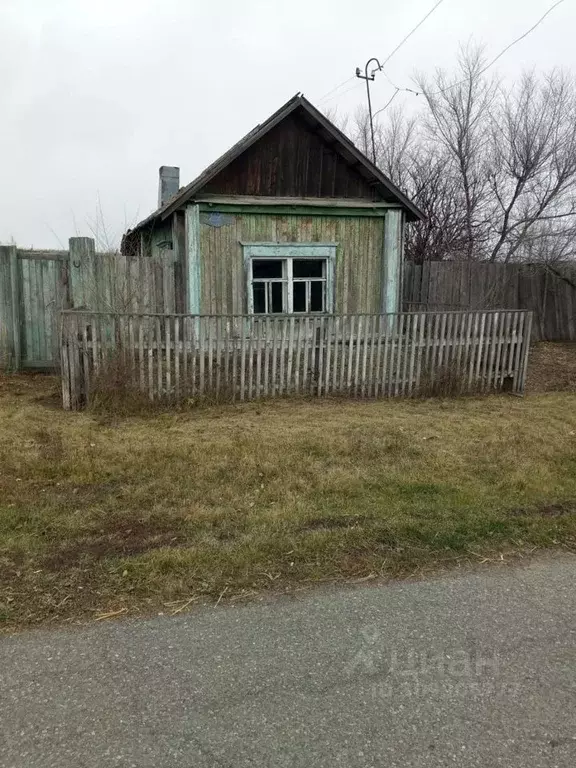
point(293, 206)
point(320, 202)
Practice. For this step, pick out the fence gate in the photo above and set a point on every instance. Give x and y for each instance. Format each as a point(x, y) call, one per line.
point(33, 291)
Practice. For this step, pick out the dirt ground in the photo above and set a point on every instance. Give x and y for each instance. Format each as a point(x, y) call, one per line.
point(552, 367)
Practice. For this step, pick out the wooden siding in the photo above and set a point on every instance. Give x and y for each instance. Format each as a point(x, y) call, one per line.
point(358, 256)
point(292, 160)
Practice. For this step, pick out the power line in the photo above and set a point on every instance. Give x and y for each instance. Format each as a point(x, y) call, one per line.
point(328, 95)
point(492, 62)
point(336, 88)
point(342, 93)
point(390, 100)
point(380, 67)
point(399, 87)
point(409, 35)
point(525, 34)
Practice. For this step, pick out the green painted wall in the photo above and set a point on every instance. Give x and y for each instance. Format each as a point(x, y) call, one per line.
point(360, 241)
point(160, 234)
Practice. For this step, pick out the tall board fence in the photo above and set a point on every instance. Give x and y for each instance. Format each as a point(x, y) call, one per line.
point(36, 285)
point(547, 290)
point(176, 358)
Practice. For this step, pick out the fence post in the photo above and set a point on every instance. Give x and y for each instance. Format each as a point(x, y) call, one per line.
point(82, 270)
point(526, 351)
point(9, 274)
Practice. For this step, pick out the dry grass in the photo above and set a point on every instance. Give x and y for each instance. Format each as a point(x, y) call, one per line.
point(552, 367)
point(100, 514)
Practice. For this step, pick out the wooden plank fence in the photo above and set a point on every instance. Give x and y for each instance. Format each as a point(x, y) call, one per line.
point(36, 285)
point(547, 290)
point(178, 358)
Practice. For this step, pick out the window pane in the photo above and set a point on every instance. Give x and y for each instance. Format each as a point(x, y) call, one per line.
point(277, 290)
point(266, 268)
point(316, 296)
point(308, 267)
point(299, 297)
point(259, 294)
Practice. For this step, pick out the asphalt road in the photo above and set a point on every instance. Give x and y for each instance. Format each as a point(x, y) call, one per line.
point(471, 670)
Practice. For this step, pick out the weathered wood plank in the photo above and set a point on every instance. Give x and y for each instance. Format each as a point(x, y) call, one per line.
point(10, 312)
point(159, 359)
point(334, 354)
point(65, 364)
point(525, 351)
point(482, 285)
point(290, 362)
point(492, 350)
point(392, 341)
point(420, 353)
point(516, 375)
point(473, 348)
point(150, 334)
point(475, 374)
point(413, 348)
point(210, 359)
point(298, 357)
point(363, 355)
point(243, 362)
point(320, 347)
point(399, 351)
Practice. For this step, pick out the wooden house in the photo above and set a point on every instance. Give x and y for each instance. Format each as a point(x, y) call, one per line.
point(292, 219)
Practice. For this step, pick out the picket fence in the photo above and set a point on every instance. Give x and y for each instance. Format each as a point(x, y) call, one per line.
point(176, 358)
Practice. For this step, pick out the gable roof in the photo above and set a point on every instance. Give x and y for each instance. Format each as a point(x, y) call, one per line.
point(339, 141)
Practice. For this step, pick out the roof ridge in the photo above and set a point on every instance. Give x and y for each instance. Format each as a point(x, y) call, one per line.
point(298, 100)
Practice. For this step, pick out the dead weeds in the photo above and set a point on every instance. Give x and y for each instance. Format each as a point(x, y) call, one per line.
point(552, 367)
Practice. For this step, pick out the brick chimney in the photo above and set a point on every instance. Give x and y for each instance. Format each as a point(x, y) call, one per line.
point(168, 183)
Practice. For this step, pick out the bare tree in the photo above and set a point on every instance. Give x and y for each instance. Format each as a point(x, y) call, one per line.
point(533, 174)
point(421, 168)
point(458, 118)
point(492, 168)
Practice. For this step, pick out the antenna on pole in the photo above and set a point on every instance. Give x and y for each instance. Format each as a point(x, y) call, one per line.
point(368, 77)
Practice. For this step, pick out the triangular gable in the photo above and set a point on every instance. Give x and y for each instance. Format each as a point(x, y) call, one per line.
point(350, 169)
point(292, 159)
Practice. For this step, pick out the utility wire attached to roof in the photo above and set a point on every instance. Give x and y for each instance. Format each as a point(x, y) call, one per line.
point(328, 95)
point(367, 77)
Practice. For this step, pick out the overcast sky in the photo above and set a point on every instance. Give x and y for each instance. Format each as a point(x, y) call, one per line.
point(96, 94)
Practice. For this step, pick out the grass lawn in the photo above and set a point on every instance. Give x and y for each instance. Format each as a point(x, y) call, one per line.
point(154, 513)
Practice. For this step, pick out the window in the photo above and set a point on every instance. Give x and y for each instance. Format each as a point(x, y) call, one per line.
point(289, 278)
point(276, 281)
point(309, 289)
point(269, 286)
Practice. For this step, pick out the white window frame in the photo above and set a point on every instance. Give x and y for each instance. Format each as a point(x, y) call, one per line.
point(287, 252)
